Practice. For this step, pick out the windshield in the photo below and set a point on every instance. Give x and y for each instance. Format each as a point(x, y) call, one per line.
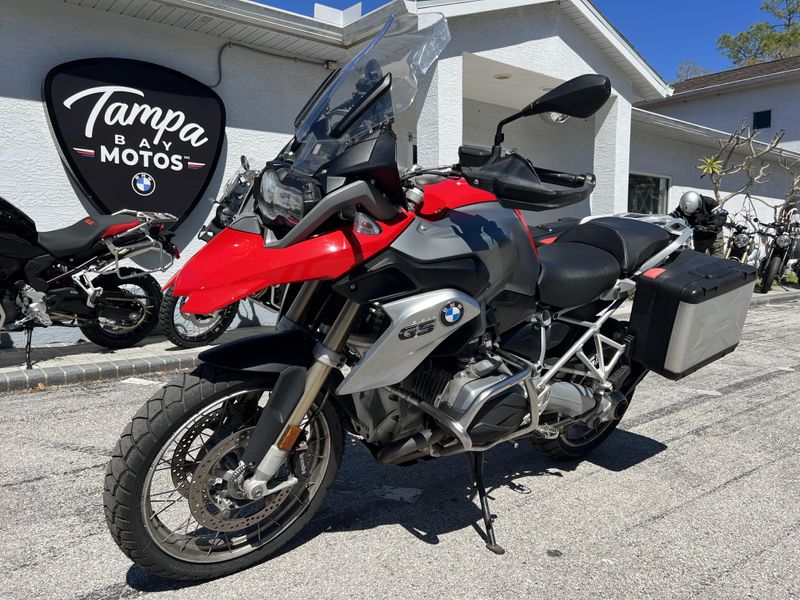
point(406, 47)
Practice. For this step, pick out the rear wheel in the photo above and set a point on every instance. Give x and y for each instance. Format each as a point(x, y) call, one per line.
point(188, 330)
point(168, 500)
point(127, 310)
point(579, 439)
point(770, 274)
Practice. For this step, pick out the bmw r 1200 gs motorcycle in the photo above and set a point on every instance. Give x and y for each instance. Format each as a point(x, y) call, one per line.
point(72, 276)
point(422, 320)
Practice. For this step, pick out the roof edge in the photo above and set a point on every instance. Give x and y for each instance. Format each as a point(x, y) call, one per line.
point(722, 87)
point(651, 118)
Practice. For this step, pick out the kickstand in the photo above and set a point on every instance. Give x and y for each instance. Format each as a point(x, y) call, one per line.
point(28, 336)
point(475, 462)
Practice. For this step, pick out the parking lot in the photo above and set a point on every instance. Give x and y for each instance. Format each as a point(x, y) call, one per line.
point(697, 495)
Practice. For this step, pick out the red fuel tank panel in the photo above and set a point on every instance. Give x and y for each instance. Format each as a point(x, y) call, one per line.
point(235, 264)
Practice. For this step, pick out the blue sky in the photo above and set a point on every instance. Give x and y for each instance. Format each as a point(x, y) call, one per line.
point(665, 32)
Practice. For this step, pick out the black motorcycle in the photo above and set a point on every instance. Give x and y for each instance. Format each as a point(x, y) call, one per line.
point(187, 330)
point(741, 241)
point(72, 276)
point(782, 246)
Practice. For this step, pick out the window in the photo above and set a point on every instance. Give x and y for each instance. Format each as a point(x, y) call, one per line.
point(647, 194)
point(762, 119)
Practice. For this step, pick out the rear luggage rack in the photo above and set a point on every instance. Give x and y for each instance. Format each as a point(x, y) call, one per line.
point(148, 220)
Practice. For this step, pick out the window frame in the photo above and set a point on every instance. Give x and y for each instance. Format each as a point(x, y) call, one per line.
point(663, 176)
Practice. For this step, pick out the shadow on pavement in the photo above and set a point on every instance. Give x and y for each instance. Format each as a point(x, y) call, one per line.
point(143, 580)
point(445, 501)
point(15, 357)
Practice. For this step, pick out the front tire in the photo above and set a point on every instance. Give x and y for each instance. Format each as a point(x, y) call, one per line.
point(770, 274)
point(214, 408)
point(195, 330)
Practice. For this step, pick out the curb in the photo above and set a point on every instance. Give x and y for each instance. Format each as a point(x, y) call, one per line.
point(780, 298)
point(22, 379)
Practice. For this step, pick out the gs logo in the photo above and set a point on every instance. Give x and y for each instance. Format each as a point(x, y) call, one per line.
point(417, 329)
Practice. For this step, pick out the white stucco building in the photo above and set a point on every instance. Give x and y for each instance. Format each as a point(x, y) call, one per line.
point(704, 109)
point(264, 62)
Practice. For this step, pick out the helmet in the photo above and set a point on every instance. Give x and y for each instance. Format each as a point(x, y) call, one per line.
point(690, 202)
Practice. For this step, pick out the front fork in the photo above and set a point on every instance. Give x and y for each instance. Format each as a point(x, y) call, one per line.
point(327, 357)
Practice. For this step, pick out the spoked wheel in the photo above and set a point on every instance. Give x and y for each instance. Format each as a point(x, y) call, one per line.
point(188, 330)
point(172, 500)
point(770, 274)
point(127, 310)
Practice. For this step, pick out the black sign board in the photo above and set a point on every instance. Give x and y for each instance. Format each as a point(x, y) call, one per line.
point(135, 135)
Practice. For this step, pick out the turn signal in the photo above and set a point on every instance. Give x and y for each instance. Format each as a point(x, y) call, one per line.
point(364, 225)
point(288, 441)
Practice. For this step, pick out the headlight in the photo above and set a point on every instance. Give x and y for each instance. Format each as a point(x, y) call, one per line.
point(741, 240)
point(783, 240)
point(278, 201)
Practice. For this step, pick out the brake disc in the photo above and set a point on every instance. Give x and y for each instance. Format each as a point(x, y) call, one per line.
point(181, 467)
point(209, 501)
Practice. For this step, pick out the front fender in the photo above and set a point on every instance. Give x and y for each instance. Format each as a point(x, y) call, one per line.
point(271, 352)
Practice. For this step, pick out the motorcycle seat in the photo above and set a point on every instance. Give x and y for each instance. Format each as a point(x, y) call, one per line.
point(574, 274)
point(78, 239)
point(630, 241)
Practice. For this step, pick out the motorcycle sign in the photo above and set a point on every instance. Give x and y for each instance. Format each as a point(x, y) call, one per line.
point(135, 135)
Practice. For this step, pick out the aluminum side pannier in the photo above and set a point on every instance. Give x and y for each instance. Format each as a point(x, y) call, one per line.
point(690, 312)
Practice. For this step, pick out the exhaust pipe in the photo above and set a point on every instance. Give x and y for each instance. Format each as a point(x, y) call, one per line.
point(408, 448)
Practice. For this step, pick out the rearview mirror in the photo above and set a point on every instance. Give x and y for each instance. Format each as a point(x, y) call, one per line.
point(580, 97)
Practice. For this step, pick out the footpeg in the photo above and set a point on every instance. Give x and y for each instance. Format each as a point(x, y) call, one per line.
point(546, 432)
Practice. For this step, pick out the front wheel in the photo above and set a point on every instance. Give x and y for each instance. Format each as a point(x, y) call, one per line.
point(770, 275)
point(169, 503)
point(188, 330)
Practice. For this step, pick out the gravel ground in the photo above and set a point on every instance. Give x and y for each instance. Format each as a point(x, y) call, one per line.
point(697, 495)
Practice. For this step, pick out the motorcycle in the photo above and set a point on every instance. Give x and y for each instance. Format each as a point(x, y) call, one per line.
point(187, 330)
point(72, 276)
point(741, 242)
point(422, 320)
point(782, 246)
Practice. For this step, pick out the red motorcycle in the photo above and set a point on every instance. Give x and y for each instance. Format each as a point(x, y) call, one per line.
point(421, 319)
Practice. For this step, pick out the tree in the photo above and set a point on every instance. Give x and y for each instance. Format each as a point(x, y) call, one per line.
point(792, 168)
point(766, 41)
point(689, 69)
point(739, 154)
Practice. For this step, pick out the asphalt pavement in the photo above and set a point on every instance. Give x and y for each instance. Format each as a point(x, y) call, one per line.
point(697, 495)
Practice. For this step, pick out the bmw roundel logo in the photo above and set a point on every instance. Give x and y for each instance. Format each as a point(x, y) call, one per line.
point(143, 184)
point(451, 313)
